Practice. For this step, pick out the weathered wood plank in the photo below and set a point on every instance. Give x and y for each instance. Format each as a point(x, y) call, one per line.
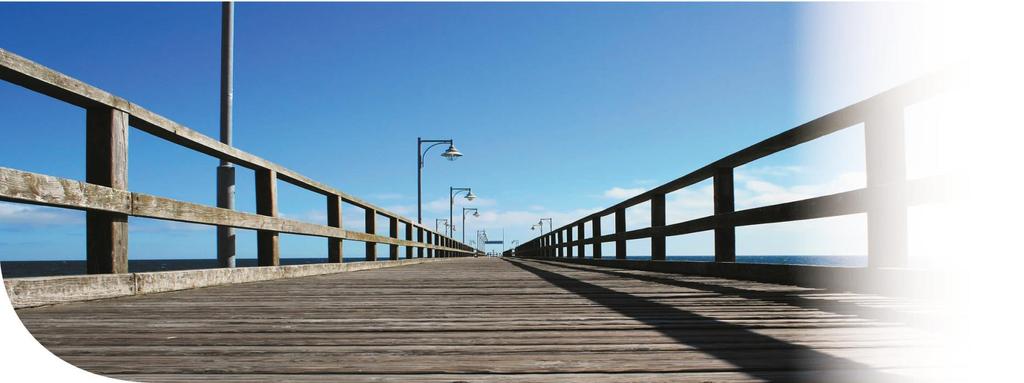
point(40, 291)
point(26, 187)
point(491, 320)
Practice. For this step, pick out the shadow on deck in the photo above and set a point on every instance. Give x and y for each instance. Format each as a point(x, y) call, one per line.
point(489, 320)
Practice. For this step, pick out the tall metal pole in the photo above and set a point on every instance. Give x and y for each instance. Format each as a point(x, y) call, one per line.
point(226, 171)
point(419, 181)
point(451, 208)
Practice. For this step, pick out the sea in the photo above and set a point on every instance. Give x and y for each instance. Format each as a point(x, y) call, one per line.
point(20, 269)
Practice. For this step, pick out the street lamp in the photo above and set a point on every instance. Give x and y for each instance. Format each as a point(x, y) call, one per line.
point(540, 224)
point(452, 192)
point(437, 220)
point(451, 154)
point(476, 213)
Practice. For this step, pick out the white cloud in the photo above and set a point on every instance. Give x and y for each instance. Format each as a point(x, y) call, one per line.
point(440, 205)
point(622, 193)
point(29, 215)
point(755, 191)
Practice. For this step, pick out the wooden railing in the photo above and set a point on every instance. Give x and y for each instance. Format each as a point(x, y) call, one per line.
point(885, 199)
point(105, 197)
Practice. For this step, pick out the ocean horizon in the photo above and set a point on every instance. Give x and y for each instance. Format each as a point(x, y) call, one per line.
point(22, 269)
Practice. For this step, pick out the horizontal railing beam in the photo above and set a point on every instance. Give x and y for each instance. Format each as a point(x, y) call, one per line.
point(849, 116)
point(33, 76)
point(26, 187)
point(918, 191)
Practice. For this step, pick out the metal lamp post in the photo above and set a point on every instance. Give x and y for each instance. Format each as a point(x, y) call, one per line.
point(541, 225)
point(451, 154)
point(476, 213)
point(226, 171)
point(452, 192)
point(438, 220)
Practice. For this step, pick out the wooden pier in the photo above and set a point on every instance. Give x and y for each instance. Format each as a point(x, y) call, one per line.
point(430, 311)
point(493, 320)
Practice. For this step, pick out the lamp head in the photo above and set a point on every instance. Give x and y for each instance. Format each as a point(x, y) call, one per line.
point(470, 196)
point(451, 154)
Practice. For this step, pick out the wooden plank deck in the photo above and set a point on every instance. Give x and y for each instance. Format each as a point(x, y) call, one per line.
point(495, 320)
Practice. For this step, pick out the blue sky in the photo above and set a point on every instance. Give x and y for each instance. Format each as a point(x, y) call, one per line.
point(560, 109)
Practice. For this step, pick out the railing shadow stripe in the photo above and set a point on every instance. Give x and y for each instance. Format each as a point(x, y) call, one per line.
point(779, 355)
point(787, 298)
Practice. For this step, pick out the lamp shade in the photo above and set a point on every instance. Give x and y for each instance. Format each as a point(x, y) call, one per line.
point(451, 154)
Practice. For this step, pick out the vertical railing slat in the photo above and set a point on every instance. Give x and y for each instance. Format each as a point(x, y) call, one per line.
point(106, 164)
point(393, 233)
point(620, 227)
point(580, 249)
point(596, 233)
point(886, 167)
point(725, 235)
point(371, 228)
point(657, 225)
point(422, 240)
point(567, 244)
point(267, 248)
point(408, 237)
point(334, 214)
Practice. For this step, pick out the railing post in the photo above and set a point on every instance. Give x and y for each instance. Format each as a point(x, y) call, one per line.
point(657, 227)
point(393, 233)
point(371, 228)
point(620, 227)
point(408, 237)
point(267, 249)
point(422, 240)
point(559, 240)
point(596, 233)
point(725, 234)
point(580, 250)
point(886, 166)
point(106, 163)
point(334, 245)
point(568, 242)
point(430, 241)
